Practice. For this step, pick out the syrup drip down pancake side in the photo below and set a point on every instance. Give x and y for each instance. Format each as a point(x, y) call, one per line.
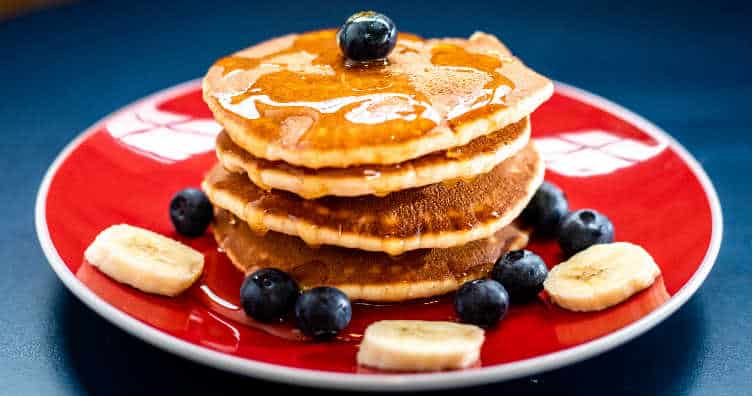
point(368, 276)
point(436, 216)
point(294, 99)
point(479, 156)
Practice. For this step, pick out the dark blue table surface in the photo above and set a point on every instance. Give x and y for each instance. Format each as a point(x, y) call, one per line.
point(683, 65)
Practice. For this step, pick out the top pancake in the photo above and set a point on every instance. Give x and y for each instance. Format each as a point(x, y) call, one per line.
point(294, 99)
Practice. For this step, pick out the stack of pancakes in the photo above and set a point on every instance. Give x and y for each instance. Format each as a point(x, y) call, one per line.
point(390, 182)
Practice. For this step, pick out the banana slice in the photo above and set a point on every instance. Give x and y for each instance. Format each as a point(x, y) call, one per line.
point(145, 260)
point(601, 276)
point(417, 345)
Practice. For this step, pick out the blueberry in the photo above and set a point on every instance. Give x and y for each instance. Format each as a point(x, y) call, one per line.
point(190, 212)
point(522, 273)
point(583, 228)
point(547, 207)
point(481, 302)
point(268, 294)
point(367, 36)
point(322, 312)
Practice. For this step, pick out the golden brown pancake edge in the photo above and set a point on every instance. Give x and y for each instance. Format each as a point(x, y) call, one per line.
point(438, 215)
point(369, 276)
point(479, 156)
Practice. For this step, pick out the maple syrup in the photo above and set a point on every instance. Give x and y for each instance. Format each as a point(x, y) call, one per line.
point(306, 95)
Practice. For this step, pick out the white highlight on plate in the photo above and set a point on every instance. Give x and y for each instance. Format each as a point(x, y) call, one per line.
point(164, 136)
point(594, 152)
point(219, 300)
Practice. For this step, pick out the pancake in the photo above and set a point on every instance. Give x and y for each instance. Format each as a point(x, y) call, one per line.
point(436, 216)
point(479, 156)
point(293, 98)
point(369, 276)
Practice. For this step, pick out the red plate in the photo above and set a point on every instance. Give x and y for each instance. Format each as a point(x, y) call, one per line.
point(126, 167)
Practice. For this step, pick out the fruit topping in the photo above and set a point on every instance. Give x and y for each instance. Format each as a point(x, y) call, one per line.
point(601, 276)
point(546, 209)
point(322, 312)
point(190, 212)
point(367, 36)
point(145, 260)
point(583, 228)
point(268, 294)
point(482, 302)
point(522, 273)
point(418, 345)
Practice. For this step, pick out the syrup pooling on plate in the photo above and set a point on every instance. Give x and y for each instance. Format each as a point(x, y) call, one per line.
point(217, 290)
point(303, 93)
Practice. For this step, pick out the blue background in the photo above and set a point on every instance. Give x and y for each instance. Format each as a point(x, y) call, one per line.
point(683, 65)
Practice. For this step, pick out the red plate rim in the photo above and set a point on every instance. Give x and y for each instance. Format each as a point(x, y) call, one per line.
point(443, 380)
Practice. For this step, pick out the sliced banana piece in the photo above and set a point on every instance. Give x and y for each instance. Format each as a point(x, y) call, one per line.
point(601, 276)
point(145, 260)
point(417, 345)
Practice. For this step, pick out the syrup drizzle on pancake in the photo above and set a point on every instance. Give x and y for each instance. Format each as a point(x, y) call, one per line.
point(305, 95)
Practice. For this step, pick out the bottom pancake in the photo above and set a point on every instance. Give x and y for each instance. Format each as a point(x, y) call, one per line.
point(368, 276)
